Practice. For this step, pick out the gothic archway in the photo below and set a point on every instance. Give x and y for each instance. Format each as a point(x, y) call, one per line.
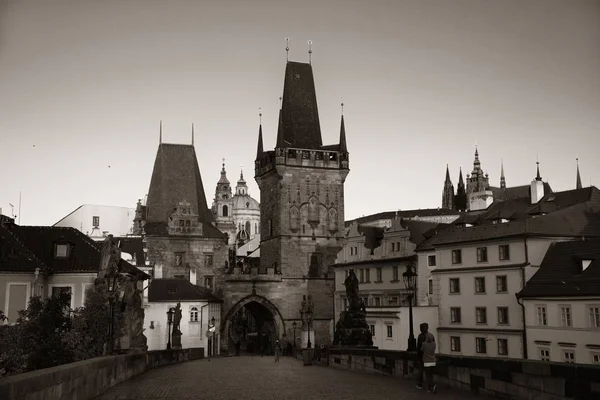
point(254, 322)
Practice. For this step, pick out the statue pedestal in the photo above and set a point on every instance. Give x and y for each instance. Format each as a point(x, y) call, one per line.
point(176, 341)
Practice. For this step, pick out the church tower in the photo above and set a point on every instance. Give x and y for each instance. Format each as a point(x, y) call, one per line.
point(222, 207)
point(302, 201)
point(460, 200)
point(448, 192)
point(478, 181)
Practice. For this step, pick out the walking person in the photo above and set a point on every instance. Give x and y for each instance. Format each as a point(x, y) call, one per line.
point(428, 349)
point(424, 327)
point(277, 350)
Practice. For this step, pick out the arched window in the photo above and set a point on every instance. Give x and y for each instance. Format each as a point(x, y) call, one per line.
point(193, 314)
point(248, 227)
point(225, 211)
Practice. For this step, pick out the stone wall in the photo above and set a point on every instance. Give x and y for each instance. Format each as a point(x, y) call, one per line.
point(509, 379)
point(90, 378)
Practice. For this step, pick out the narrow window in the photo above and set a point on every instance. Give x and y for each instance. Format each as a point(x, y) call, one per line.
point(431, 261)
point(504, 252)
point(501, 284)
point(482, 254)
point(480, 285)
point(456, 256)
point(502, 347)
point(455, 285)
point(480, 345)
point(455, 343)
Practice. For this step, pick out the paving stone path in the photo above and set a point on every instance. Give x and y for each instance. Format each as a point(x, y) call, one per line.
point(258, 378)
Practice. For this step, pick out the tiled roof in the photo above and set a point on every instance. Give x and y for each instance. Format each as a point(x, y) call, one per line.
point(14, 256)
point(560, 273)
point(178, 290)
point(570, 213)
point(161, 229)
point(175, 178)
point(299, 122)
point(420, 231)
point(40, 240)
point(516, 192)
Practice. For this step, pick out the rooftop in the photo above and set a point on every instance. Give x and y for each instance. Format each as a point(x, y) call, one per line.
point(161, 290)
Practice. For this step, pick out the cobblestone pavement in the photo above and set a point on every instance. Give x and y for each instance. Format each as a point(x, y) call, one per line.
point(250, 378)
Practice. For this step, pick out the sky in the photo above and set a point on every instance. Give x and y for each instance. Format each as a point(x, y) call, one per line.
point(84, 84)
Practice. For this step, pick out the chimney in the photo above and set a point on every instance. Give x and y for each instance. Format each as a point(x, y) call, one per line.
point(537, 187)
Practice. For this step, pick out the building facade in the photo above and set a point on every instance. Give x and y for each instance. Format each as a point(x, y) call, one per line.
point(98, 221)
point(562, 304)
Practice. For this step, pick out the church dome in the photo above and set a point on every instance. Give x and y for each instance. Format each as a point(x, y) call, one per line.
point(245, 202)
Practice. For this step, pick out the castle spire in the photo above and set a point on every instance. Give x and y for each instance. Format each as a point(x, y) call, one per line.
point(343, 145)
point(448, 195)
point(259, 149)
point(502, 180)
point(578, 184)
point(448, 175)
point(460, 177)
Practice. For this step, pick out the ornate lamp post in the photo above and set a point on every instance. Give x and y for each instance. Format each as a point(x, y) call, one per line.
point(410, 282)
point(306, 315)
point(211, 329)
point(170, 314)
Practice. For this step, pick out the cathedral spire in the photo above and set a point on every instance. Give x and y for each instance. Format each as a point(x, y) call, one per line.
point(578, 184)
point(460, 177)
point(448, 196)
point(502, 179)
point(448, 175)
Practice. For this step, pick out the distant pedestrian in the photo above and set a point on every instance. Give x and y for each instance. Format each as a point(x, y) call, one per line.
point(420, 340)
point(238, 344)
point(277, 350)
point(428, 348)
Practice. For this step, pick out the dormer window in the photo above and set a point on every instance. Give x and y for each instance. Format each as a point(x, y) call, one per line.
point(61, 251)
point(585, 264)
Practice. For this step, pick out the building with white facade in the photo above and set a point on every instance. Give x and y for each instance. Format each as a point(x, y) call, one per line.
point(562, 304)
point(198, 306)
point(473, 269)
point(98, 221)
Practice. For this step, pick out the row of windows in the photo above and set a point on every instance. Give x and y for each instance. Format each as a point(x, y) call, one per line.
point(566, 316)
point(568, 356)
point(389, 331)
point(394, 247)
point(378, 301)
point(481, 316)
point(480, 345)
point(480, 286)
point(364, 274)
point(179, 259)
point(482, 254)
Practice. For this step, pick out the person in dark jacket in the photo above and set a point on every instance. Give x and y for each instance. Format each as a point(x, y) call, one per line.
point(428, 349)
point(420, 340)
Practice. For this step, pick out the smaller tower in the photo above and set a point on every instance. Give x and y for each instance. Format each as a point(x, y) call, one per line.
point(460, 200)
point(537, 187)
point(502, 180)
point(222, 207)
point(578, 183)
point(448, 192)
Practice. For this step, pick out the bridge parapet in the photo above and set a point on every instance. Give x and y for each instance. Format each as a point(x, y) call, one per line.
point(506, 378)
point(89, 378)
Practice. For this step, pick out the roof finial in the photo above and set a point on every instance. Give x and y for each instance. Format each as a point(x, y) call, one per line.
point(538, 177)
point(342, 104)
point(287, 49)
point(223, 159)
point(309, 51)
point(578, 184)
point(160, 133)
point(192, 133)
point(259, 116)
point(241, 172)
point(280, 102)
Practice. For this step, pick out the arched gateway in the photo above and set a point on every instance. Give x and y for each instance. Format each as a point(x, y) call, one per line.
point(253, 321)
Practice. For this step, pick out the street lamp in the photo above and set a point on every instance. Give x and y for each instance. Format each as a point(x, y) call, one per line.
point(306, 315)
point(211, 329)
point(410, 281)
point(111, 288)
point(170, 314)
point(294, 326)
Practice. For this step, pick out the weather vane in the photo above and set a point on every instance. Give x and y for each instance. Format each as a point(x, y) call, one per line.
point(287, 49)
point(309, 51)
point(342, 104)
point(260, 115)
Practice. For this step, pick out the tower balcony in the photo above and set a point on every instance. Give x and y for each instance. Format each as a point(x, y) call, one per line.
point(298, 157)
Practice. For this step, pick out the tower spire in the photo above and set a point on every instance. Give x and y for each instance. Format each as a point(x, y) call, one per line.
point(192, 133)
point(259, 149)
point(310, 52)
point(287, 49)
point(447, 174)
point(343, 145)
point(578, 184)
point(502, 179)
point(160, 133)
point(538, 177)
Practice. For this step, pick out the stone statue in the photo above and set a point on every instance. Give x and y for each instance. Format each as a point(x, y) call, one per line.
point(177, 319)
point(352, 328)
point(110, 255)
point(351, 284)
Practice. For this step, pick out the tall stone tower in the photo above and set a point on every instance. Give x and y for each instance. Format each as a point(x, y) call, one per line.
point(448, 192)
point(460, 200)
point(222, 207)
point(478, 181)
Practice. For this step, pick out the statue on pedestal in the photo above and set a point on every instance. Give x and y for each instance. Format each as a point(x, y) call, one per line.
point(352, 329)
point(176, 335)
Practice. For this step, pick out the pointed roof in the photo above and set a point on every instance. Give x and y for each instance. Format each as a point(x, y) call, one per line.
point(502, 179)
point(259, 148)
point(448, 175)
point(241, 181)
point(460, 178)
point(343, 145)
point(578, 183)
point(176, 177)
point(538, 177)
point(299, 122)
point(223, 179)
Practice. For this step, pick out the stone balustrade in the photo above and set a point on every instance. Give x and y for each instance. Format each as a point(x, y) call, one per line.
point(89, 378)
point(505, 378)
